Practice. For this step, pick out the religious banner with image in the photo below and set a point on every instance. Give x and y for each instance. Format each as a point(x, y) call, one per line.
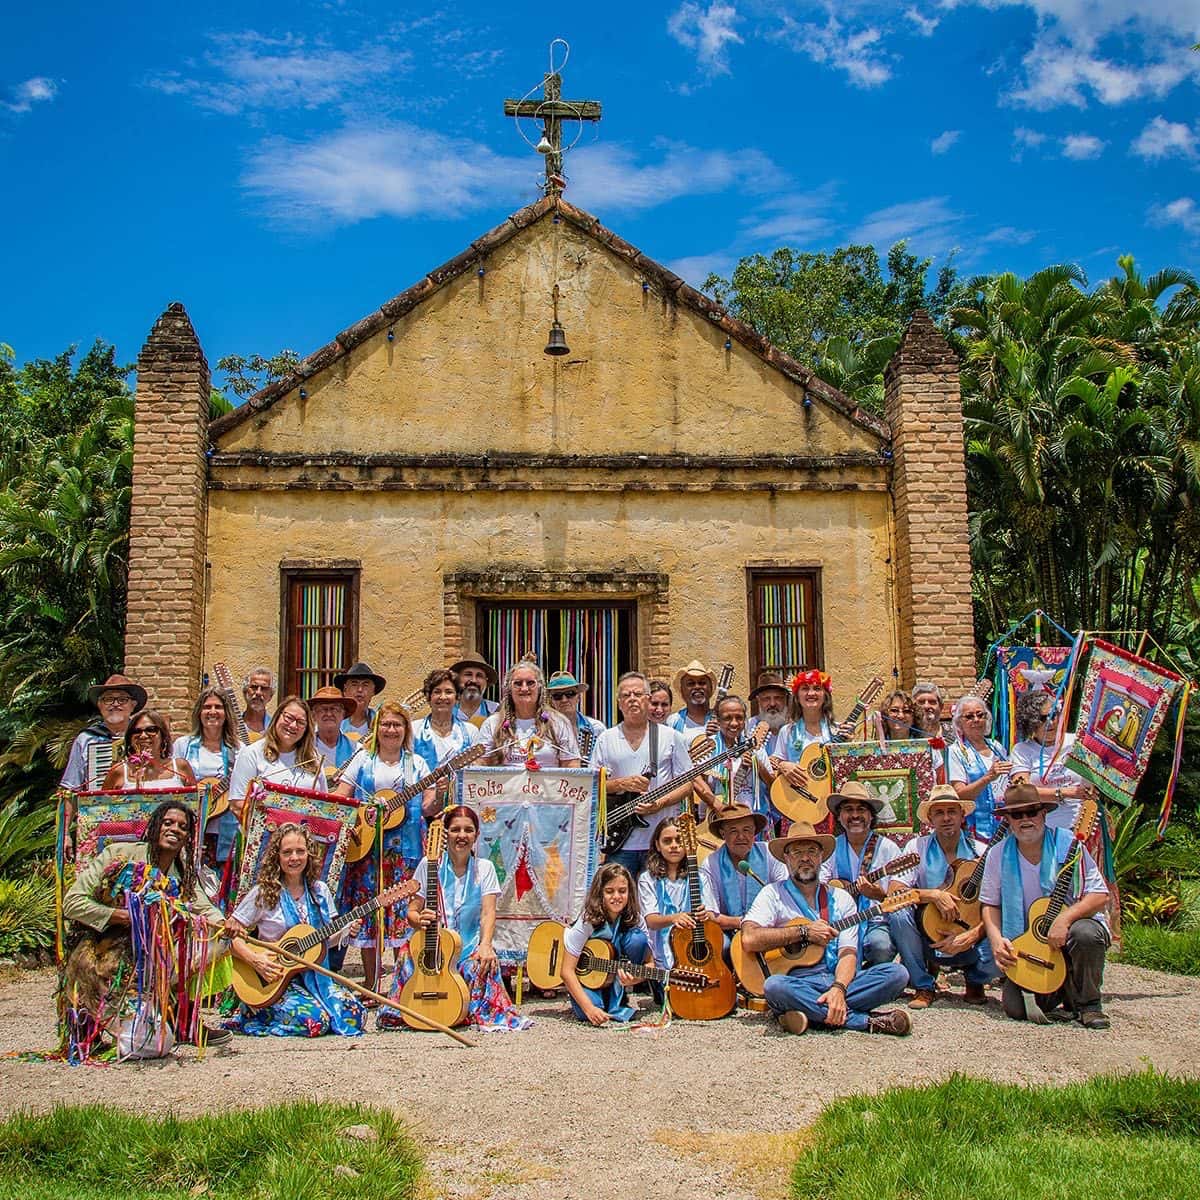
point(103, 818)
point(538, 829)
point(1123, 704)
point(900, 775)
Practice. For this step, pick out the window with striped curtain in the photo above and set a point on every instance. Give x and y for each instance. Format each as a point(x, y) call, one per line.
point(319, 628)
point(784, 620)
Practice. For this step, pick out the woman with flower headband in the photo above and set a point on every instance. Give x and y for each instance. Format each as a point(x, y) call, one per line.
point(526, 732)
point(149, 764)
point(388, 764)
point(290, 892)
point(811, 723)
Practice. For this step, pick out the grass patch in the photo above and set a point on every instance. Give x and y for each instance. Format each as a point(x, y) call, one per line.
point(1111, 1138)
point(1161, 949)
point(280, 1153)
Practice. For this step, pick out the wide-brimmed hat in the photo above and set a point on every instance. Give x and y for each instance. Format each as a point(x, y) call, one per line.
point(735, 812)
point(695, 667)
point(853, 790)
point(560, 681)
point(360, 670)
point(801, 832)
point(476, 660)
point(120, 683)
point(330, 694)
point(943, 793)
point(768, 681)
point(1022, 794)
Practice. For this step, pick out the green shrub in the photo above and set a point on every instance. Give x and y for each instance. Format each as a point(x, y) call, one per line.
point(26, 915)
point(24, 835)
point(1161, 949)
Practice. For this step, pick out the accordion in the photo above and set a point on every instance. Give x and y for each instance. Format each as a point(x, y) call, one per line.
point(101, 754)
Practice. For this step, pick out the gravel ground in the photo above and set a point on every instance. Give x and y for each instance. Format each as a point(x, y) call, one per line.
point(699, 1109)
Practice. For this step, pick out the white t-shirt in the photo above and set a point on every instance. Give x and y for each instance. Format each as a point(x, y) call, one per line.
point(577, 935)
point(682, 723)
point(453, 900)
point(396, 776)
point(618, 758)
point(1031, 881)
point(207, 763)
point(710, 873)
point(774, 906)
point(562, 735)
point(463, 735)
point(885, 851)
point(679, 901)
point(271, 922)
point(252, 764)
point(1034, 759)
point(916, 877)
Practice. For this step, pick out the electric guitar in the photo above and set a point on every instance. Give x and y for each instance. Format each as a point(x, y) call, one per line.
point(700, 949)
point(436, 989)
point(811, 803)
point(1040, 967)
point(623, 818)
point(309, 944)
point(218, 799)
point(362, 837)
point(597, 963)
point(753, 967)
point(905, 862)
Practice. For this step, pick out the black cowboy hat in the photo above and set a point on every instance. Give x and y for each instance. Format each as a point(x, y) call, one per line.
point(360, 670)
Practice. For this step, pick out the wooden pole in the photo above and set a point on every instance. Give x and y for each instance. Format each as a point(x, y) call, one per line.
point(357, 987)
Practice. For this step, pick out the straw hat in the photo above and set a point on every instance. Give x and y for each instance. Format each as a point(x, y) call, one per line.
point(696, 668)
point(853, 790)
point(943, 793)
point(120, 683)
point(329, 694)
point(476, 660)
point(735, 812)
point(801, 832)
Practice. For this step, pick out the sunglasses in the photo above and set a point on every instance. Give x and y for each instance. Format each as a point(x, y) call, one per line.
point(1015, 814)
point(563, 695)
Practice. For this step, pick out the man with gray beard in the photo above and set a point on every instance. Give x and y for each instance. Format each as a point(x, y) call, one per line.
point(771, 697)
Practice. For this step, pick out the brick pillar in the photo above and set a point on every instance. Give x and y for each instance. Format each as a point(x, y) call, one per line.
point(929, 492)
point(164, 626)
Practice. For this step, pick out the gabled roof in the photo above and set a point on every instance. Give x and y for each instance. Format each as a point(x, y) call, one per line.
point(666, 281)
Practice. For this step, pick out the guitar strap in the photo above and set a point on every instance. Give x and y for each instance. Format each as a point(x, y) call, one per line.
point(864, 864)
point(652, 767)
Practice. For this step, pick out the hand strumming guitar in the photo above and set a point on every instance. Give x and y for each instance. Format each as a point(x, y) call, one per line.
point(865, 887)
point(792, 773)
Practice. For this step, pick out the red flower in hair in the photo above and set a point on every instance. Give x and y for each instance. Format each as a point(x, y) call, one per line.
point(813, 678)
point(937, 743)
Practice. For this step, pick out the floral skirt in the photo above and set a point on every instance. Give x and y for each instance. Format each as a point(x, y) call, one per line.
point(488, 1008)
point(362, 884)
point(300, 1012)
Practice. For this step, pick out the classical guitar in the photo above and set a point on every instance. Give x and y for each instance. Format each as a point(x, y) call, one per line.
point(218, 800)
point(702, 948)
point(905, 862)
point(963, 885)
point(436, 988)
point(1040, 967)
point(623, 817)
point(309, 944)
point(597, 964)
point(753, 968)
point(362, 837)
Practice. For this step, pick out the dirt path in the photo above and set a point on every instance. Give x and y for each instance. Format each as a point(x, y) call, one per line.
point(703, 1109)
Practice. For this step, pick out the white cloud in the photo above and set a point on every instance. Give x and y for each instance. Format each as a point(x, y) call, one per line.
point(1162, 139)
point(1008, 235)
point(793, 218)
point(929, 225)
point(859, 53)
point(696, 268)
point(248, 71)
point(924, 25)
point(944, 141)
point(33, 91)
point(1082, 146)
point(1182, 212)
point(709, 32)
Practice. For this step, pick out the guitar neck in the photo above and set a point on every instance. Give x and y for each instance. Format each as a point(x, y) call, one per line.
point(975, 879)
point(723, 684)
point(610, 966)
point(852, 718)
point(624, 810)
point(225, 683)
point(325, 932)
point(1062, 885)
point(430, 949)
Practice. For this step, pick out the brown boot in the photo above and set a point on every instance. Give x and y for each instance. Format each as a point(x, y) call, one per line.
point(923, 999)
point(897, 1022)
point(975, 994)
point(793, 1021)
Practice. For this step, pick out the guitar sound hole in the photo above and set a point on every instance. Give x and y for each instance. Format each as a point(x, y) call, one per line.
point(290, 946)
point(817, 770)
point(1041, 929)
point(700, 954)
point(968, 891)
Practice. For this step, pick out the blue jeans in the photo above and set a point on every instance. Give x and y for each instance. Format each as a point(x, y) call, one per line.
point(923, 964)
point(633, 946)
point(634, 861)
point(871, 987)
point(877, 946)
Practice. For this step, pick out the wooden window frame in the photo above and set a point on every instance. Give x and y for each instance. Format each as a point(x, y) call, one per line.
point(776, 573)
point(321, 571)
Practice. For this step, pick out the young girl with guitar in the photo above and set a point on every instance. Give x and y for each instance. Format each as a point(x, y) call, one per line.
point(388, 764)
point(611, 911)
point(663, 890)
point(467, 891)
point(288, 893)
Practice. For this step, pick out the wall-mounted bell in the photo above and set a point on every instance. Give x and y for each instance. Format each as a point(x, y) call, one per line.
point(557, 345)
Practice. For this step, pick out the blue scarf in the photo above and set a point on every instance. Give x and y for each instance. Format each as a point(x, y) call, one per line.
point(982, 819)
point(192, 755)
point(737, 890)
point(343, 751)
point(412, 831)
point(755, 787)
point(464, 920)
point(798, 740)
point(425, 747)
point(227, 823)
point(613, 994)
point(662, 937)
point(831, 950)
point(843, 869)
point(1056, 845)
point(319, 986)
point(933, 859)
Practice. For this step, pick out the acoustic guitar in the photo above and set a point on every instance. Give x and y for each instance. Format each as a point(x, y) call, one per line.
point(218, 800)
point(753, 967)
point(966, 878)
point(362, 837)
point(905, 862)
point(309, 944)
point(811, 803)
point(597, 963)
point(702, 948)
point(1040, 967)
point(436, 988)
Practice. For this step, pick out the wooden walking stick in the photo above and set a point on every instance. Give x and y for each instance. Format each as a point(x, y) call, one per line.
point(378, 997)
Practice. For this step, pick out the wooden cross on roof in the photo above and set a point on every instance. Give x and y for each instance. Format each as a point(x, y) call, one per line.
point(552, 110)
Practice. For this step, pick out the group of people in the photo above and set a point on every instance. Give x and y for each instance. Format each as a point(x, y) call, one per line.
point(759, 873)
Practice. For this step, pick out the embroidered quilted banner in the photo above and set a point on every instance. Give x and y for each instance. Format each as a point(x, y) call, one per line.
point(900, 775)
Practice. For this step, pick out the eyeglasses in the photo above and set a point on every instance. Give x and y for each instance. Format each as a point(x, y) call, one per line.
point(258, 687)
point(292, 720)
point(524, 683)
point(563, 695)
point(143, 730)
point(117, 698)
point(974, 716)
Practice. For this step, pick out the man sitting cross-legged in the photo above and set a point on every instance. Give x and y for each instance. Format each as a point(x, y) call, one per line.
point(833, 992)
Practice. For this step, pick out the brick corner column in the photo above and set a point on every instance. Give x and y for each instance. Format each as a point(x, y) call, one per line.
point(929, 493)
point(164, 626)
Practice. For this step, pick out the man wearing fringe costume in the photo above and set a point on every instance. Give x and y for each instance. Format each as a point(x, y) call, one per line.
point(147, 941)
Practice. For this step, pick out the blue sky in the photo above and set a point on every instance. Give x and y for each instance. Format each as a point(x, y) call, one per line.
point(283, 170)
